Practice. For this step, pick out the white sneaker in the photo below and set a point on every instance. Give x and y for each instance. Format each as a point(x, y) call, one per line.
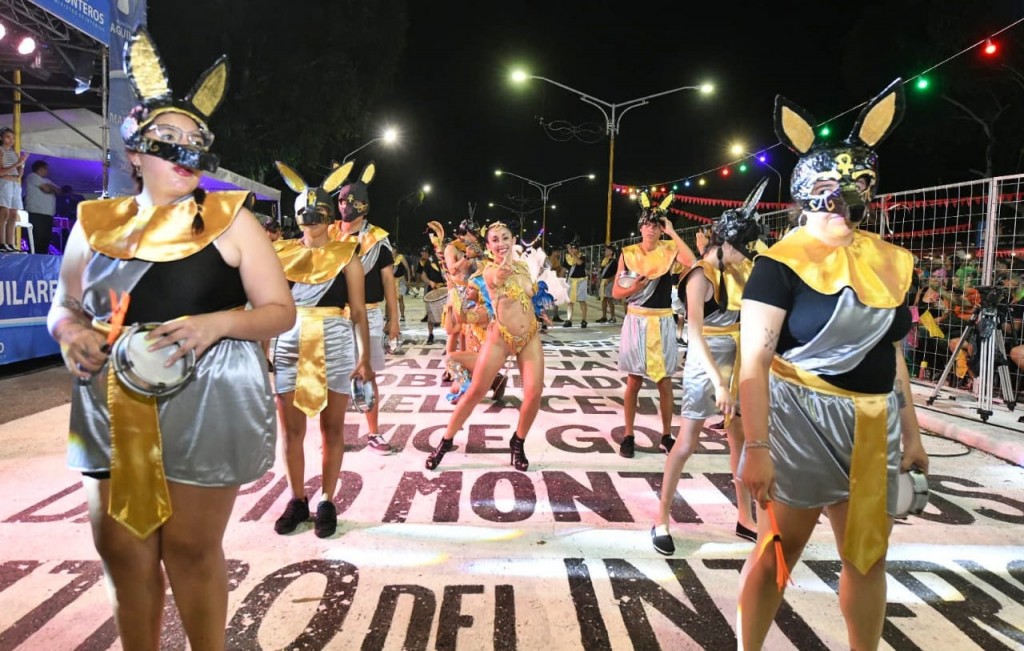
point(377, 443)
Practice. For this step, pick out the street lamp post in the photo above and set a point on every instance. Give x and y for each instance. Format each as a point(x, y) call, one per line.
point(545, 191)
point(612, 116)
point(740, 150)
point(389, 136)
point(519, 213)
point(420, 192)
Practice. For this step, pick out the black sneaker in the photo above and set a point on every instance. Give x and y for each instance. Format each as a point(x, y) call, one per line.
point(666, 443)
point(424, 319)
point(326, 521)
point(430, 339)
point(295, 514)
point(662, 541)
point(601, 320)
point(566, 324)
point(583, 324)
point(627, 448)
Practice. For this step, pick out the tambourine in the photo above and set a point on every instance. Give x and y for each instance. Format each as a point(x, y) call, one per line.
point(143, 370)
point(362, 394)
point(627, 279)
point(911, 493)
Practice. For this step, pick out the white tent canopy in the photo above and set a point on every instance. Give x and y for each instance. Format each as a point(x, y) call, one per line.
point(45, 136)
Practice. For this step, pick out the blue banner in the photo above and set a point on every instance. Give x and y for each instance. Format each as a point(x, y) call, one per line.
point(127, 15)
point(27, 284)
point(92, 17)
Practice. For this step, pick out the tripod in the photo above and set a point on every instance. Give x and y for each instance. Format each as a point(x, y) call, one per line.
point(986, 327)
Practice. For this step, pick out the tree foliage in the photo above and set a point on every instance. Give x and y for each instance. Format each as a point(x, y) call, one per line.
point(304, 78)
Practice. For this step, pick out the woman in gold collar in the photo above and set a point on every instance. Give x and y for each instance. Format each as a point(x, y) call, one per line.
point(316, 360)
point(823, 382)
point(508, 289)
point(161, 468)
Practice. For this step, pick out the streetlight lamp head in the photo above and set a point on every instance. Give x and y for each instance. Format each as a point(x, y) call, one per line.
point(497, 172)
point(519, 76)
point(591, 176)
point(427, 188)
point(390, 135)
point(707, 89)
point(737, 149)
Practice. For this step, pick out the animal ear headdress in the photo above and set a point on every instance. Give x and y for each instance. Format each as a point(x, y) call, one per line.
point(148, 77)
point(741, 227)
point(852, 163)
point(651, 214)
point(354, 198)
point(314, 205)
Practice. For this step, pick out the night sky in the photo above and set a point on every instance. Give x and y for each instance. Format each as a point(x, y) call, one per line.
point(461, 117)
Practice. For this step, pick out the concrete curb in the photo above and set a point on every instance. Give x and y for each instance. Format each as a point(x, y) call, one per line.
point(1009, 448)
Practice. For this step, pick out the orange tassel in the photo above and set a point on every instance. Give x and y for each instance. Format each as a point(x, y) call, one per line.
point(782, 576)
point(118, 310)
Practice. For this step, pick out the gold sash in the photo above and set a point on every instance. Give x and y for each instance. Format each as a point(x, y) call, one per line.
point(574, 288)
point(311, 371)
point(734, 332)
point(139, 497)
point(865, 539)
point(652, 343)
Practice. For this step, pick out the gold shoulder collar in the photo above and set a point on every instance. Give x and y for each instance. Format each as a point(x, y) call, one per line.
point(118, 228)
point(878, 272)
point(313, 266)
point(735, 280)
point(654, 264)
point(372, 235)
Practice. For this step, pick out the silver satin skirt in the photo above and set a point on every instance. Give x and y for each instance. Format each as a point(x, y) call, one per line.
point(812, 442)
point(633, 344)
point(375, 318)
point(219, 429)
point(698, 391)
point(339, 353)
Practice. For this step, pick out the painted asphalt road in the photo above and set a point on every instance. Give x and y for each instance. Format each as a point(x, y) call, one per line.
point(477, 555)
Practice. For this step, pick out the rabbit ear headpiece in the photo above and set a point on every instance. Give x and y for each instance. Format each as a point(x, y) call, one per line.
point(314, 205)
point(354, 198)
point(652, 214)
point(852, 163)
point(148, 77)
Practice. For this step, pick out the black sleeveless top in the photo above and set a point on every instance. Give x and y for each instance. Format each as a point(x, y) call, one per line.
point(337, 294)
point(662, 295)
point(198, 284)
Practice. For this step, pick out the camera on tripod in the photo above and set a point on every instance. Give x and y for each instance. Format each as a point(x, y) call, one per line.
point(993, 297)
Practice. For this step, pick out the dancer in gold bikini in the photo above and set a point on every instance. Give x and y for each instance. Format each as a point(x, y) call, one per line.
point(508, 289)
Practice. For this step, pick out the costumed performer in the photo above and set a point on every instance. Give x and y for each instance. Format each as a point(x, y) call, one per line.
point(509, 290)
point(823, 383)
point(164, 443)
point(607, 276)
point(711, 291)
point(316, 360)
point(377, 258)
point(648, 345)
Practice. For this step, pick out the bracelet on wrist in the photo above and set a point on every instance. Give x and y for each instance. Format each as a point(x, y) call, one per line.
point(748, 445)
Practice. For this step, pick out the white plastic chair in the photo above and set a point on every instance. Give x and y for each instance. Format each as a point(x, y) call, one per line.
point(23, 222)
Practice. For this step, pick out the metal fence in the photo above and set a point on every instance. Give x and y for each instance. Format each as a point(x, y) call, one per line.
point(968, 241)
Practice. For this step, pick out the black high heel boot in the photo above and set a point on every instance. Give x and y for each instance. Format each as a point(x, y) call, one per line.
point(434, 460)
point(518, 456)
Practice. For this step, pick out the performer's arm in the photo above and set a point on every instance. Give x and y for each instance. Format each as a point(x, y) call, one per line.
point(387, 275)
point(913, 451)
point(697, 289)
point(355, 283)
point(759, 337)
point(684, 255)
point(81, 346)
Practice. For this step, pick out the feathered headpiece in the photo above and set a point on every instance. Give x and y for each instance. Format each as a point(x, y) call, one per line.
point(148, 76)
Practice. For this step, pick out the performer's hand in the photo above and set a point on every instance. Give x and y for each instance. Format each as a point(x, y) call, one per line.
point(666, 225)
point(84, 350)
point(914, 454)
point(393, 330)
point(725, 401)
point(757, 472)
point(702, 240)
point(196, 333)
point(640, 283)
point(364, 371)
